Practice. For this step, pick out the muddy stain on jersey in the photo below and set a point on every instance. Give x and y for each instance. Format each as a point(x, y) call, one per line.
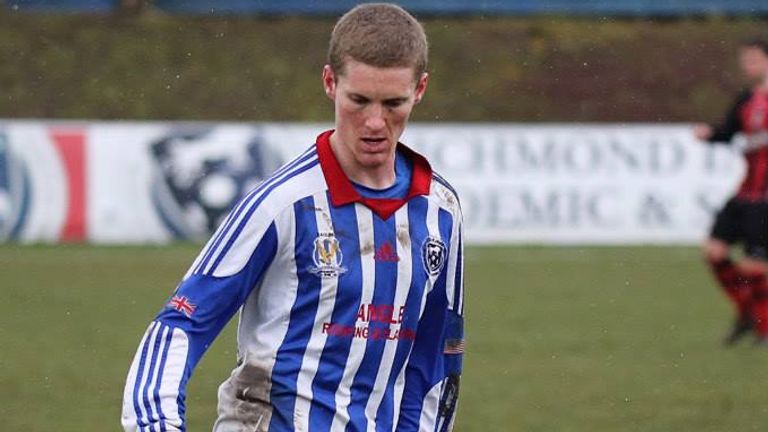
point(244, 401)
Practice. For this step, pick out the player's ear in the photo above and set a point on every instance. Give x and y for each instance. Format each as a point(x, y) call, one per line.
point(421, 87)
point(329, 82)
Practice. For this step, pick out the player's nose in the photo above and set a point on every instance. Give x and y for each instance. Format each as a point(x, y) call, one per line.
point(374, 119)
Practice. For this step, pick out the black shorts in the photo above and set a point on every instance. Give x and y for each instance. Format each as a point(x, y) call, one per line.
point(744, 222)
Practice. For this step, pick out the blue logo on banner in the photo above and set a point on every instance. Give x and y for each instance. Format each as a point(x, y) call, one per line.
point(15, 192)
point(201, 173)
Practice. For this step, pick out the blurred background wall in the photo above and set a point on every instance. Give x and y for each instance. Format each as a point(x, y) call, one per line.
point(532, 93)
point(492, 61)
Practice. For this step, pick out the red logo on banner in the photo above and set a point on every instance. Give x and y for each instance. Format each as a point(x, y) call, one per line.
point(70, 144)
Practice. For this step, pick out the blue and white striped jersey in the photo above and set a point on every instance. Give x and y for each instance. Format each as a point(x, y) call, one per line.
point(351, 309)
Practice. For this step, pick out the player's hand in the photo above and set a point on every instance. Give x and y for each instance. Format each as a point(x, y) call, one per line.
point(702, 132)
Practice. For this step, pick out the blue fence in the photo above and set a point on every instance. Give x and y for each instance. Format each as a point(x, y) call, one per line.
point(438, 7)
point(64, 5)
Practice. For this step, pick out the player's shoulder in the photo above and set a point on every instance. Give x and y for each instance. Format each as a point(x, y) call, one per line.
point(297, 179)
point(440, 190)
point(444, 194)
point(258, 213)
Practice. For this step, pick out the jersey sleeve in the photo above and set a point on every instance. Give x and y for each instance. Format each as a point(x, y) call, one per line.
point(433, 372)
point(731, 124)
point(209, 295)
point(453, 346)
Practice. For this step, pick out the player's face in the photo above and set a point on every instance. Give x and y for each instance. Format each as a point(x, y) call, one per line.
point(754, 63)
point(372, 107)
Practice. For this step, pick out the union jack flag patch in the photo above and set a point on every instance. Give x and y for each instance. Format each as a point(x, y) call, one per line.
point(183, 305)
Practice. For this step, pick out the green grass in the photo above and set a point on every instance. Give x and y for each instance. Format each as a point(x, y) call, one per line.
point(559, 339)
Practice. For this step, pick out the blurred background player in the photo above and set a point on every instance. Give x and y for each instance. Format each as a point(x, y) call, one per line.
point(744, 218)
point(345, 265)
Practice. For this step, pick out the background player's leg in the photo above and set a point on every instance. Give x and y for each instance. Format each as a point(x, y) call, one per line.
point(754, 271)
point(735, 284)
point(754, 265)
point(728, 275)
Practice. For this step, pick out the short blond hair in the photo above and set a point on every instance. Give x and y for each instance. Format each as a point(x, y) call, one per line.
point(381, 35)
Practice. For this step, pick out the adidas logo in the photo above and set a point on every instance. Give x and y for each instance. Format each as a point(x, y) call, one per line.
point(386, 253)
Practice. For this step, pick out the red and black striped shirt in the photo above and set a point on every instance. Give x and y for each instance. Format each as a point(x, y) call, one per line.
point(749, 116)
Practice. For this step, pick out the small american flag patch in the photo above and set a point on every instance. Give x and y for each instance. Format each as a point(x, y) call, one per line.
point(454, 346)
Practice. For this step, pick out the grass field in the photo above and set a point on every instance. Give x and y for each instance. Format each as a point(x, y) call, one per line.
point(559, 339)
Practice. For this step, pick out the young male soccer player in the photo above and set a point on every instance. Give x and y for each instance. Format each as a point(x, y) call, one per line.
point(744, 219)
point(346, 266)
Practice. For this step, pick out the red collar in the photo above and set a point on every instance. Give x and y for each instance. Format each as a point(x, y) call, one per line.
point(343, 192)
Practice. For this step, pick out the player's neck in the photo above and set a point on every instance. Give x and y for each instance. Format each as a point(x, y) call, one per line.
point(379, 176)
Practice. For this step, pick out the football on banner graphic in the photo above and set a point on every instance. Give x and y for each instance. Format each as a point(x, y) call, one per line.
point(200, 172)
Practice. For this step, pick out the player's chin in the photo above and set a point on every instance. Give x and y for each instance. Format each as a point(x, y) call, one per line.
point(372, 160)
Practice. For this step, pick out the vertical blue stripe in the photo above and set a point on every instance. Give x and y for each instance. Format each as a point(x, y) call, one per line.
point(245, 202)
point(348, 296)
point(458, 286)
point(439, 416)
point(385, 285)
point(417, 217)
point(445, 226)
point(5, 163)
point(181, 398)
point(152, 364)
point(426, 364)
point(448, 418)
point(290, 354)
point(166, 348)
point(252, 209)
point(139, 376)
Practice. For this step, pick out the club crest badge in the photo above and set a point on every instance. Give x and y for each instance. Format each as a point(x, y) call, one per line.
point(327, 257)
point(433, 254)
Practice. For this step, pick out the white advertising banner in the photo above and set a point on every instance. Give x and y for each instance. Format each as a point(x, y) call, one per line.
point(153, 182)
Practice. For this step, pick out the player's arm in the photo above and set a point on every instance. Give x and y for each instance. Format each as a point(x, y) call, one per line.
point(154, 395)
point(453, 350)
point(730, 126)
point(433, 373)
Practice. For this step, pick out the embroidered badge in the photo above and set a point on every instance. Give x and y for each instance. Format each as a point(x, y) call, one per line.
point(183, 305)
point(433, 255)
point(327, 257)
point(454, 346)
